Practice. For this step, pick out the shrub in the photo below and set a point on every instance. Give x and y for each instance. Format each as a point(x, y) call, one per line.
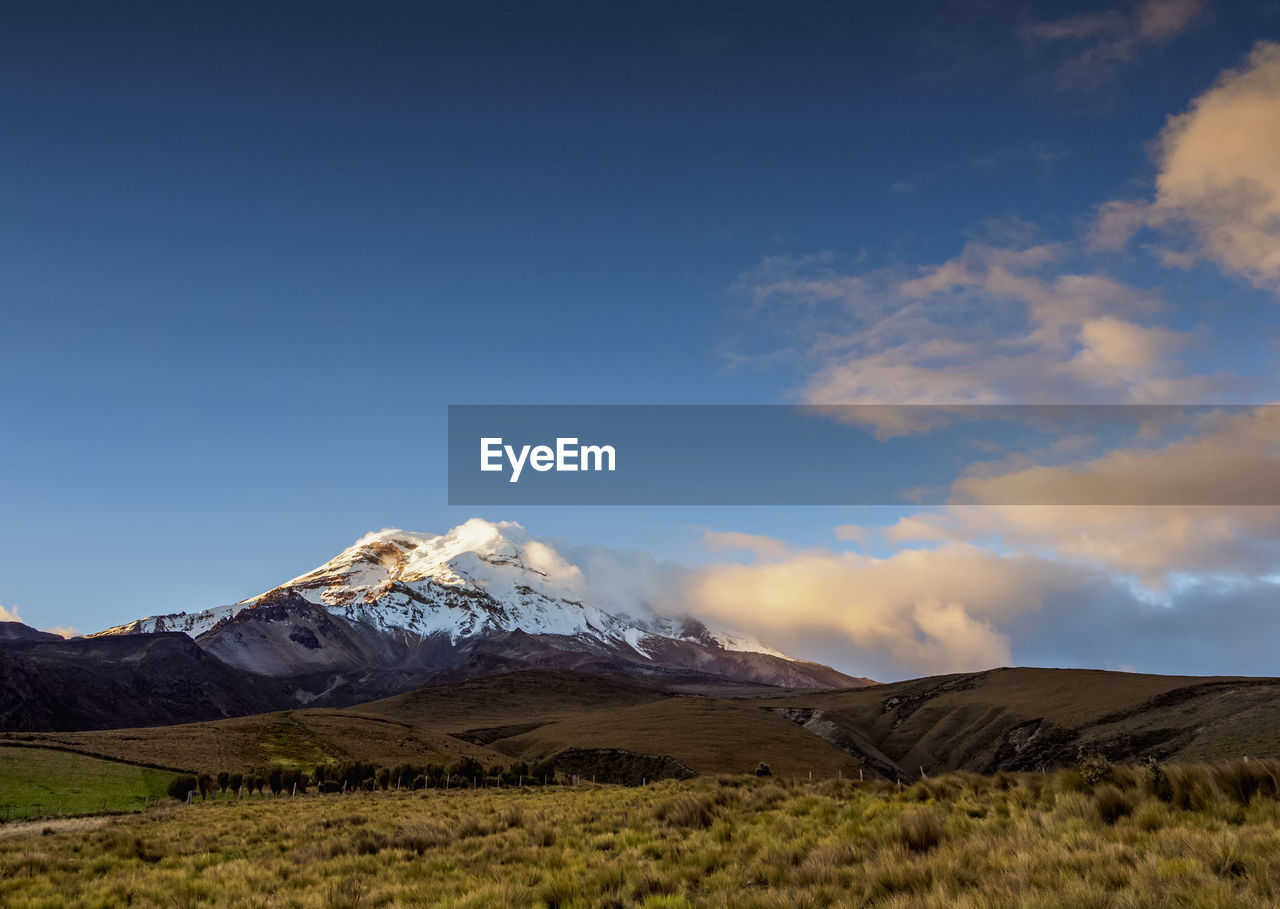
point(763, 769)
point(542, 770)
point(181, 786)
point(465, 770)
point(920, 829)
point(1111, 803)
point(1093, 767)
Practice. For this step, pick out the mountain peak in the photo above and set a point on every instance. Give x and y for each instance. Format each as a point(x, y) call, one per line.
point(473, 535)
point(411, 601)
point(476, 555)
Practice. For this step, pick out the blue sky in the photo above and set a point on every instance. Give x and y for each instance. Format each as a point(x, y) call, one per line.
point(249, 254)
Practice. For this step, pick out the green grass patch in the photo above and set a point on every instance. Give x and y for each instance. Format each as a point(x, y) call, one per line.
point(289, 745)
point(36, 782)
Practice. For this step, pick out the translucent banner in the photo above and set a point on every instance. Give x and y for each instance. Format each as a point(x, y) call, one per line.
point(864, 455)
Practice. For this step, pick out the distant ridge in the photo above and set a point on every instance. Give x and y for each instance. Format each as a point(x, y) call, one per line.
point(998, 720)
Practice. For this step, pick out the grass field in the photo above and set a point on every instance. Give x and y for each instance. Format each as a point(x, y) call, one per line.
point(1122, 836)
point(42, 781)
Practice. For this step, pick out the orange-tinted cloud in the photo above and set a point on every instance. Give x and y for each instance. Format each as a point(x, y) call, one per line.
point(1217, 192)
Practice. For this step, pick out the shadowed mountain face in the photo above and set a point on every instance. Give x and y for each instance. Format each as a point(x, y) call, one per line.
point(104, 683)
point(18, 633)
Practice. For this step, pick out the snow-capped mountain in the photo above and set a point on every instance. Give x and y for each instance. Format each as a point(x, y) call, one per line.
point(483, 596)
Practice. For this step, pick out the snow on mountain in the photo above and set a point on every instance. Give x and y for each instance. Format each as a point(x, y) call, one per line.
point(192, 623)
point(480, 578)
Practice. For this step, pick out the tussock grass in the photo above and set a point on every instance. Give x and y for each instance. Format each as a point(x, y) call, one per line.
point(1112, 803)
point(920, 829)
point(1243, 779)
point(685, 810)
point(1205, 836)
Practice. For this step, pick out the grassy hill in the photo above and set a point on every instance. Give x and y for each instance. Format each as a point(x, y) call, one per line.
point(1005, 719)
point(293, 738)
point(1027, 719)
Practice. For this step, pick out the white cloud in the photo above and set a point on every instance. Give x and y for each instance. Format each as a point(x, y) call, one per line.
point(1199, 488)
point(9, 615)
point(930, 610)
point(996, 324)
point(1217, 188)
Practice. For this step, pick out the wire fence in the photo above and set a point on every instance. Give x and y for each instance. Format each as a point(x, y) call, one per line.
point(41, 809)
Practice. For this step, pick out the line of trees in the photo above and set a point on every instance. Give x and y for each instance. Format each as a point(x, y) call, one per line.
point(353, 776)
point(206, 785)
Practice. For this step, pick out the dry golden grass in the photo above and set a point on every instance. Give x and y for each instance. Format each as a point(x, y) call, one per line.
point(957, 840)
